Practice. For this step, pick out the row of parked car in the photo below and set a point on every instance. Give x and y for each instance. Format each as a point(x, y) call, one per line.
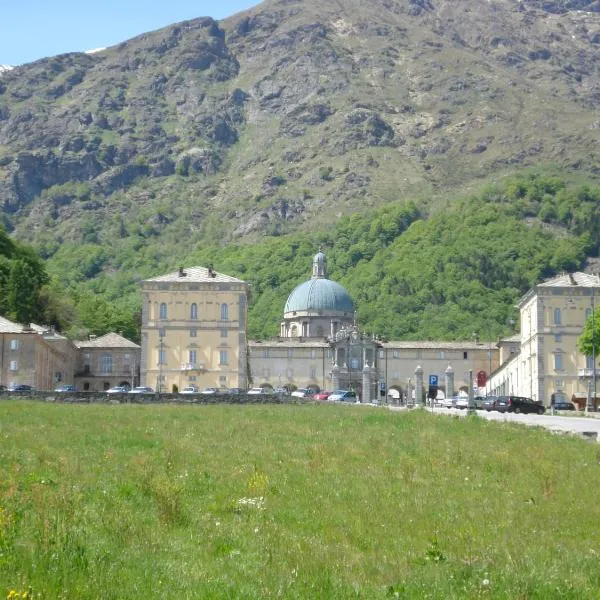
point(519, 404)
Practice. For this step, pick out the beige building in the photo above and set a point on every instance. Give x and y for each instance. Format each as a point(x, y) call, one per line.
point(106, 361)
point(35, 356)
point(553, 315)
point(194, 330)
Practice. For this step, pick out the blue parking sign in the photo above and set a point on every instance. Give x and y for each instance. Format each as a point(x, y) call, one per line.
point(433, 380)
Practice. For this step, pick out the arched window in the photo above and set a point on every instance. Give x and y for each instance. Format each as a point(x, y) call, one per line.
point(557, 316)
point(163, 311)
point(224, 312)
point(194, 311)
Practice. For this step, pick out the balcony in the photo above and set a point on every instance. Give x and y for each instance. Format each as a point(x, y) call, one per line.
point(587, 373)
point(192, 366)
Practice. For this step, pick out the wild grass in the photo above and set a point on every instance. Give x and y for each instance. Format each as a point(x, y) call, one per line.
point(304, 501)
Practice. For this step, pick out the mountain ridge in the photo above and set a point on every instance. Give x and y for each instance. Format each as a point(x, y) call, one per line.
point(291, 110)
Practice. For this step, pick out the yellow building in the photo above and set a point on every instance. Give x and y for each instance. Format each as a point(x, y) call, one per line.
point(548, 364)
point(194, 330)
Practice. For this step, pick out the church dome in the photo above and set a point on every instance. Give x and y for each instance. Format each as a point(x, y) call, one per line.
point(319, 295)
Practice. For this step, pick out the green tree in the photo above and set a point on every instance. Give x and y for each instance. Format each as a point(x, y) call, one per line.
point(22, 292)
point(590, 337)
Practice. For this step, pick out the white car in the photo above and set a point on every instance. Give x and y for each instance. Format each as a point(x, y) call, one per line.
point(302, 393)
point(462, 403)
point(258, 391)
point(210, 390)
point(142, 389)
point(191, 389)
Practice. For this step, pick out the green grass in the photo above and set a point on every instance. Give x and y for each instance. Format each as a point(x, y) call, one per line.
point(303, 501)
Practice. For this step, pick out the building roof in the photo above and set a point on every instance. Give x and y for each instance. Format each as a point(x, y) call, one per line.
point(577, 279)
point(110, 340)
point(319, 295)
point(433, 345)
point(290, 343)
point(195, 275)
point(7, 326)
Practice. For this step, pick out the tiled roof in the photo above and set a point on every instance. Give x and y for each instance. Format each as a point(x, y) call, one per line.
point(289, 343)
point(577, 279)
point(7, 326)
point(195, 275)
point(110, 340)
point(429, 345)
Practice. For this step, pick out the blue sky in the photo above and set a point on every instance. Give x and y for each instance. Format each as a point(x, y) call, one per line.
point(32, 29)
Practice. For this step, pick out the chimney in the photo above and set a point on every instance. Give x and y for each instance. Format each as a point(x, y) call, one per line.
point(211, 272)
point(182, 273)
point(92, 337)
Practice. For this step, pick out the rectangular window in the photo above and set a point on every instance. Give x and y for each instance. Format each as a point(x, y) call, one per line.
point(558, 338)
point(223, 358)
point(266, 353)
point(290, 353)
point(192, 357)
point(589, 362)
point(381, 354)
point(14, 344)
point(559, 384)
point(224, 332)
point(192, 333)
point(465, 355)
point(313, 354)
point(162, 357)
point(223, 379)
point(14, 365)
point(192, 378)
point(441, 354)
point(354, 363)
point(106, 363)
point(396, 354)
point(558, 362)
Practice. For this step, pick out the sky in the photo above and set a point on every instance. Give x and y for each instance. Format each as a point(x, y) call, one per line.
point(33, 29)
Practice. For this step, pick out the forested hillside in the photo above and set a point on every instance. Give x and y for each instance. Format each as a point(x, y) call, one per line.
point(414, 275)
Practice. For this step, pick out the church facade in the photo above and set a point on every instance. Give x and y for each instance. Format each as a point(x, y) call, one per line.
point(321, 346)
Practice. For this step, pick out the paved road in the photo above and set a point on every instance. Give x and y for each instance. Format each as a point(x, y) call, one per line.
point(564, 422)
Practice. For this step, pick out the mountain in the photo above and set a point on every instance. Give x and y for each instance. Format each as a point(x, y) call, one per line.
point(284, 118)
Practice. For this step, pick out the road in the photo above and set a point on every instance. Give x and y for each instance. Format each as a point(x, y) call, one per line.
point(589, 426)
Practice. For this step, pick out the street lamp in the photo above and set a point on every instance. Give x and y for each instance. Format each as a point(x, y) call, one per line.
point(593, 353)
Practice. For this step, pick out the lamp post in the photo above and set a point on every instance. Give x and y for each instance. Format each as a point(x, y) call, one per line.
point(593, 403)
point(160, 361)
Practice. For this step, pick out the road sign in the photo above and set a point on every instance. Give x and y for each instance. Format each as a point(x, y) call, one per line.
point(433, 380)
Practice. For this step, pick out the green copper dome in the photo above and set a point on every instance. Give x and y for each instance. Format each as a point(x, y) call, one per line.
point(319, 294)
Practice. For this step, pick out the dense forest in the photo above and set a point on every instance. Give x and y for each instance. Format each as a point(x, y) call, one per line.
point(443, 274)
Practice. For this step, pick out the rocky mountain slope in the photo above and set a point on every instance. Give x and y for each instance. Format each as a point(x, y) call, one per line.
point(291, 114)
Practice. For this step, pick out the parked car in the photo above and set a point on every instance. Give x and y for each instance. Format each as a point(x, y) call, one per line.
point(66, 388)
point(19, 387)
point(519, 404)
point(461, 402)
point(448, 402)
point(117, 389)
point(209, 391)
point(257, 391)
point(343, 396)
point(141, 389)
point(564, 405)
point(302, 393)
point(236, 391)
point(190, 389)
point(489, 403)
point(322, 395)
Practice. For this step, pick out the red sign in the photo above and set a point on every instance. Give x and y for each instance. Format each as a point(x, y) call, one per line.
point(481, 379)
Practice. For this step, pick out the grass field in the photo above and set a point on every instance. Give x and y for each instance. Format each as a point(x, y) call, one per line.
point(300, 501)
